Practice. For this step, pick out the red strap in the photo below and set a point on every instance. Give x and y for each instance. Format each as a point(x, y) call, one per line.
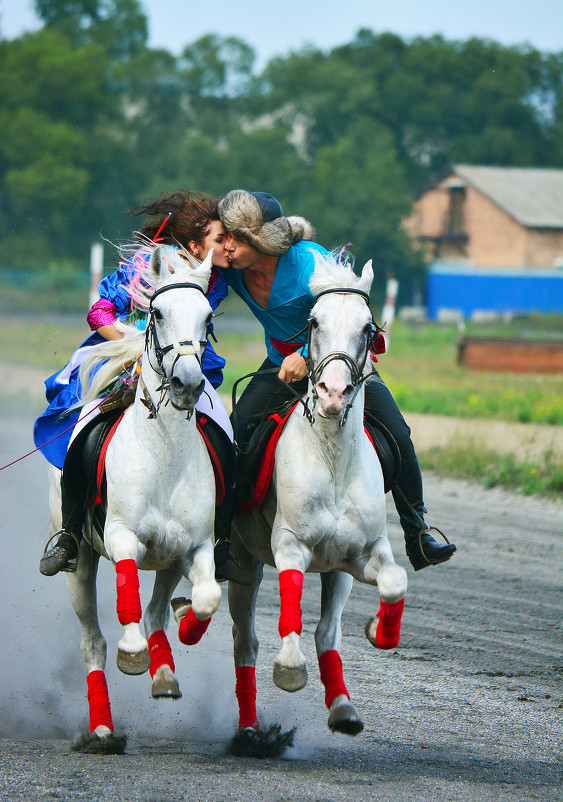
point(291, 589)
point(98, 701)
point(332, 676)
point(192, 629)
point(160, 652)
point(128, 600)
point(101, 472)
point(388, 630)
point(246, 696)
point(215, 462)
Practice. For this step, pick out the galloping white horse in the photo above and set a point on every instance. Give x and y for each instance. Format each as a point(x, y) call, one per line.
point(160, 499)
point(325, 509)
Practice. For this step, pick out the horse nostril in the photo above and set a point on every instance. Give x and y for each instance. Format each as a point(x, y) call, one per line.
point(176, 384)
point(349, 389)
point(322, 387)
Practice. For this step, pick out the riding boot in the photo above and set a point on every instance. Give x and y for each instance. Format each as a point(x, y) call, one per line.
point(63, 556)
point(226, 566)
point(422, 549)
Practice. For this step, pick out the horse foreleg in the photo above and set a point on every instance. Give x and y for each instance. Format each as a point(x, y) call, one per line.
point(343, 717)
point(291, 558)
point(126, 552)
point(384, 630)
point(206, 595)
point(82, 591)
point(157, 614)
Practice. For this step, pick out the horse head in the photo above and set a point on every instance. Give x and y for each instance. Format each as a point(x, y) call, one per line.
point(340, 335)
point(179, 317)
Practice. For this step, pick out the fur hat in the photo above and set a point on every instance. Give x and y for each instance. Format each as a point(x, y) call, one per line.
point(257, 218)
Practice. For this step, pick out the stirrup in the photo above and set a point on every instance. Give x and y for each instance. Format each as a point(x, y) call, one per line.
point(72, 564)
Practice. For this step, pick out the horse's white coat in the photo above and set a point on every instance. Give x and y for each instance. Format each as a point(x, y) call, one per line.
point(326, 504)
point(160, 482)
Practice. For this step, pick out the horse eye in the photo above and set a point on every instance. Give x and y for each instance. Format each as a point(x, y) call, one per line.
point(314, 323)
point(157, 314)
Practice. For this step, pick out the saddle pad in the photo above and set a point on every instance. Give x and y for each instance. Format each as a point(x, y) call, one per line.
point(381, 439)
point(207, 436)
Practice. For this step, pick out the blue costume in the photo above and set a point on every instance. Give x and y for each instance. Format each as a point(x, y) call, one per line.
point(290, 299)
point(62, 390)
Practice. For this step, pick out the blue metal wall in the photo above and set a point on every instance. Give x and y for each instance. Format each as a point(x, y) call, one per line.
point(454, 287)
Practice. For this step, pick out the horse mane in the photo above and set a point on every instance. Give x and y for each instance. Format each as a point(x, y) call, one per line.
point(330, 273)
point(115, 355)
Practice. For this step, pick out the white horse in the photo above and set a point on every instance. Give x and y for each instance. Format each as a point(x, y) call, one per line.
point(324, 512)
point(160, 499)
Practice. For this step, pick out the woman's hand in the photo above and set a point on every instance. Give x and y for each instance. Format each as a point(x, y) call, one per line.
point(293, 368)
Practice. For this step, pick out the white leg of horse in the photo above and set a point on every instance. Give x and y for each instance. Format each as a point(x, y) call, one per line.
point(391, 580)
point(126, 552)
point(292, 559)
point(157, 614)
point(82, 591)
point(343, 717)
point(206, 594)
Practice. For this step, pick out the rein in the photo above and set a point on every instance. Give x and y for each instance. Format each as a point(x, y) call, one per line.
point(183, 348)
point(314, 372)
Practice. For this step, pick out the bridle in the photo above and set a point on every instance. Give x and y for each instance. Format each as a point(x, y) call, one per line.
point(182, 348)
point(356, 368)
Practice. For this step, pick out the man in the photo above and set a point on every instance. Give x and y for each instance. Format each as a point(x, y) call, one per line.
point(271, 261)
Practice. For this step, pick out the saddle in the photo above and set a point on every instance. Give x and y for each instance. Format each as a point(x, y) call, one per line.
point(256, 465)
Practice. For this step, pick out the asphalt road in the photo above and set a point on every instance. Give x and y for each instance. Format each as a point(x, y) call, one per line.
point(465, 709)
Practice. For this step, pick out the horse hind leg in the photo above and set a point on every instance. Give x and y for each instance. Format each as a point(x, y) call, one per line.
point(101, 738)
point(164, 683)
point(343, 716)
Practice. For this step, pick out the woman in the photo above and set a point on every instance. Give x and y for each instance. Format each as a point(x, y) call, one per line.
point(184, 220)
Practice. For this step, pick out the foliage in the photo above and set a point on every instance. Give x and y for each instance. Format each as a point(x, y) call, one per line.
point(94, 122)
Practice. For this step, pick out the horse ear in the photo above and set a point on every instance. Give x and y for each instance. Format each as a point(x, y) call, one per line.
point(366, 278)
point(158, 267)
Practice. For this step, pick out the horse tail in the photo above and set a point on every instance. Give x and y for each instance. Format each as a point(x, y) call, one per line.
point(102, 368)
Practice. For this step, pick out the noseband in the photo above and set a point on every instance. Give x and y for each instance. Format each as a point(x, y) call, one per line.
point(356, 368)
point(183, 348)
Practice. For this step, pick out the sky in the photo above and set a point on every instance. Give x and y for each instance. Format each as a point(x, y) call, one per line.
point(274, 28)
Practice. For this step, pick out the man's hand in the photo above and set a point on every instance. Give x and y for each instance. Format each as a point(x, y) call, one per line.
point(293, 368)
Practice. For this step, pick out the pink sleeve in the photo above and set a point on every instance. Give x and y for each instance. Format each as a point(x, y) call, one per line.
point(102, 313)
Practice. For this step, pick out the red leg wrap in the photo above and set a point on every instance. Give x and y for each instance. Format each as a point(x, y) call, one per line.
point(192, 629)
point(291, 588)
point(331, 676)
point(388, 630)
point(160, 652)
point(98, 701)
point(128, 600)
point(246, 696)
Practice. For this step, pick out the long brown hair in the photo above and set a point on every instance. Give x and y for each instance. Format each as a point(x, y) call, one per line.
point(192, 213)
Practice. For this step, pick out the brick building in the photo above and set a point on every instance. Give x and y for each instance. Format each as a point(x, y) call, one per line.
point(495, 235)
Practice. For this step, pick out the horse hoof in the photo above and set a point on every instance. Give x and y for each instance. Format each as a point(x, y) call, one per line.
point(92, 744)
point(344, 718)
point(133, 663)
point(371, 628)
point(180, 606)
point(165, 688)
point(252, 742)
point(290, 678)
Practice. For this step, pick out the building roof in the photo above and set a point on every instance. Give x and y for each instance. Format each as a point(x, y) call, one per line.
point(532, 196)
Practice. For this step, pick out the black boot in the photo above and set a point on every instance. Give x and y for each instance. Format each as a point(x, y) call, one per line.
point(62, 557)
point(226, 567)
point(423, 550)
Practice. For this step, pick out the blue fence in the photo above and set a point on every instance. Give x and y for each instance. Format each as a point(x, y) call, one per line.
point(500, 291)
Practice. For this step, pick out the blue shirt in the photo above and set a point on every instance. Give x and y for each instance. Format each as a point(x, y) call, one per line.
point(290, 301)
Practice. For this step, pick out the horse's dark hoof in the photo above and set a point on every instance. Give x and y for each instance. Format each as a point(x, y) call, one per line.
point(91, 744)
point(249, 742)
point(133, 664)
point(344, 718)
